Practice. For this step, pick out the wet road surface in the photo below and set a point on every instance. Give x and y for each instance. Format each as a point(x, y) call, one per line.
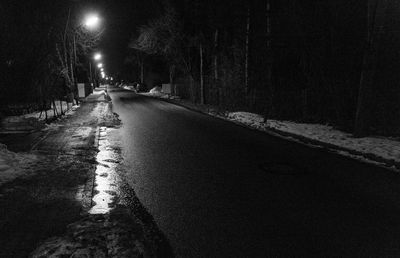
point(220, 190)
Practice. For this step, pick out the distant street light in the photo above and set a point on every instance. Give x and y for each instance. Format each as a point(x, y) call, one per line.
point(100, 65)
point(97, 56)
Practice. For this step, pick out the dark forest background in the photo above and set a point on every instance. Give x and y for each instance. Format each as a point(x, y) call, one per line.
point(334, 62)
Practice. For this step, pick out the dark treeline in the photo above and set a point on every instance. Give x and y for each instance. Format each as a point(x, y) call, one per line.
point(329, 62)
point(42, 46)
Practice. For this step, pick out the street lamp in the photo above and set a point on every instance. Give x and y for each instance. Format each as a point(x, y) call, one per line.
point(92, 21)
point(100, 65)
point(97, 56)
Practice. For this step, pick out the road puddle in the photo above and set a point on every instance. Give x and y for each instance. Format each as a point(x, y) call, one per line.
point(106, 177)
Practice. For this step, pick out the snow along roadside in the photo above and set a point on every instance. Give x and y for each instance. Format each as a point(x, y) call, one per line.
point(13, 165)
point(378, 149)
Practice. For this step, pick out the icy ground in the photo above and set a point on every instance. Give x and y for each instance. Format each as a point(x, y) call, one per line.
point(13, 165)
point(35, 120)
point(50, 114)
point(105, 235)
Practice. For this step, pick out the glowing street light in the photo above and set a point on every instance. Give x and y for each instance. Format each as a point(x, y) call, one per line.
point(97, 56)
point(100, 65)
point(91, 21)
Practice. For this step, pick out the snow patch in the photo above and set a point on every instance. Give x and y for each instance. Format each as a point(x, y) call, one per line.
point(131, 87)
point(246, 117)
point(378, 146)
point(13, 165)
point(155, 90)
point(155, 94)
point(35, 120)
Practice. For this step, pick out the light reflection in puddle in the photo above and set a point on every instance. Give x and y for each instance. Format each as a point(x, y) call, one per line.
point(105, 175)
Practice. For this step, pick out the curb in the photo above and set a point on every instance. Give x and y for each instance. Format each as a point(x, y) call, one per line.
point(91, 182)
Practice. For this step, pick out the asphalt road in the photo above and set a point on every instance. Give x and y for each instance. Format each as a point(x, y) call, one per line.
point(217, 189)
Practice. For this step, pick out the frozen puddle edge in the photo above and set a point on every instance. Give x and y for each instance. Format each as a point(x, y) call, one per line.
point(105, 175)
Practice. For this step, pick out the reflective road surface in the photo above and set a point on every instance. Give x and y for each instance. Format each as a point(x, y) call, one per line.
point(217, 189)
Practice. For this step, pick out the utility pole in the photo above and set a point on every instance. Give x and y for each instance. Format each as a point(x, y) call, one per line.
point(202, 100)
point(142, 71)
point(269, 60)
point(90, 74)
point(246, 64)
point(269, 47)
point(216, 55)
point(376, 14)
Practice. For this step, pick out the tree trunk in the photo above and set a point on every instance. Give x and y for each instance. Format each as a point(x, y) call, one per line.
point(61, 107)
point(55, 113)
point(305, 103)
point(91, 77)
point(142, 71)
point(171, 76)
point(192, 96)
point(269, 60)
point(71, 67)
point(269, 47)
point(202, 93)
point(216, 55)
point(246, 64)
point(375, 21)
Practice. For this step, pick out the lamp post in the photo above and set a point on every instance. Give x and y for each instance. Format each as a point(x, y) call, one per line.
point(91, 22)
point(96, 57)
